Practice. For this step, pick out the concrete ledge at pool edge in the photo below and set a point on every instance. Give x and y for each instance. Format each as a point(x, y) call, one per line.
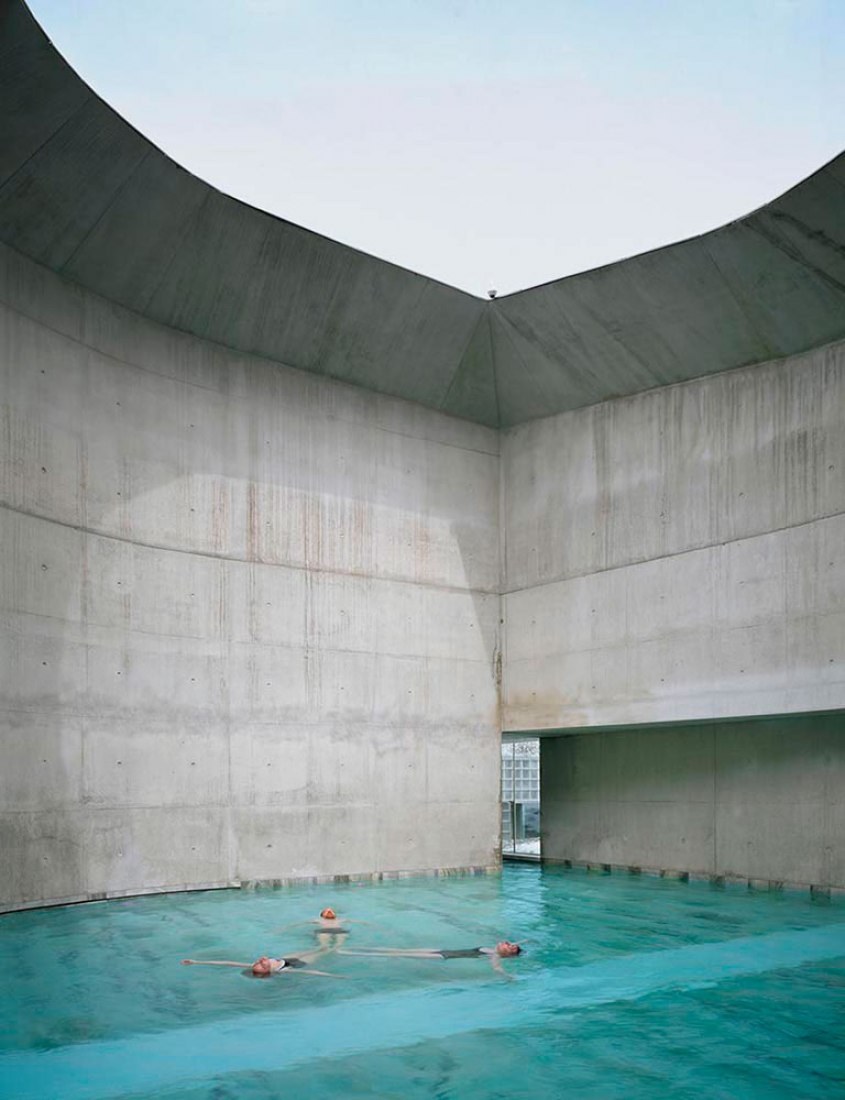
point(257, 884)
point(771, 885)
point(366, 876)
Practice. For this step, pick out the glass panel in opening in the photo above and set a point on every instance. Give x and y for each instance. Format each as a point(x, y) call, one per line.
point(521, 797)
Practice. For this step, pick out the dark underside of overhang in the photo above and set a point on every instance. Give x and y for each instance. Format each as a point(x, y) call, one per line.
point(82, 192)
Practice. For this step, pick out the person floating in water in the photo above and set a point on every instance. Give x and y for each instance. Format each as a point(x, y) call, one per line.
point(503, 950)
point(329, 928)
point(266, 967)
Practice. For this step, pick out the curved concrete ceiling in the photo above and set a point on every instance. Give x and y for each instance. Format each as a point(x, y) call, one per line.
point(84, 193)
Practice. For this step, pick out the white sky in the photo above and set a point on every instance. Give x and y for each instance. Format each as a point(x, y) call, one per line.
point(483, 142)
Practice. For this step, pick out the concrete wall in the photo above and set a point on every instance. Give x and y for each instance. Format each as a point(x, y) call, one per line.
point(678, 555)
point(249, 616)
point(751, 800)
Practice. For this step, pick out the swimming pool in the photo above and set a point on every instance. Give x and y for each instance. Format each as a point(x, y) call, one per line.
point(630, 987)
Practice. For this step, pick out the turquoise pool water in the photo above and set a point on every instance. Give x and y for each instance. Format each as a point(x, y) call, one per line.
point(629, 987)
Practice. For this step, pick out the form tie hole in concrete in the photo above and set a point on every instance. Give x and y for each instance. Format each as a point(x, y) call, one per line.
point(117, 403)
point(43, 469)
point(43, 567)
point(44, 663)
point(193, 679)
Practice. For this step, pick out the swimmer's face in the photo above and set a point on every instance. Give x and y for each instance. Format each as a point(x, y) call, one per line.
point(328, 913)
point(506, 949)
point(263, 967)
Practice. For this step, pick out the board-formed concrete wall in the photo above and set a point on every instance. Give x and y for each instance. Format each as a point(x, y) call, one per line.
point(679, 554)
point(760, 800)
point(249, 616)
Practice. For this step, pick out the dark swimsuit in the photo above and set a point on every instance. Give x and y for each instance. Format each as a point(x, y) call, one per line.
point(287, 964)
point(467, 953)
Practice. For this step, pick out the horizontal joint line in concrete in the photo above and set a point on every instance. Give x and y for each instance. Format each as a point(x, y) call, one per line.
point(234, 721)
point(741, 799)
point(670, 554)
point(626, 641)
point(94, 533)
point(218, 646)
point(226, 803)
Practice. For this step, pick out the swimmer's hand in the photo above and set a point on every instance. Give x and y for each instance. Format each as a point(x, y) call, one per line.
point(187, 962)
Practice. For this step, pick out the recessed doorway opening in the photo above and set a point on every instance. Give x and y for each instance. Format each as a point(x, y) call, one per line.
point(520, 797)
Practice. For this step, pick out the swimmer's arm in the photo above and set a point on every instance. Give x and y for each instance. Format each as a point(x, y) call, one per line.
point(496, 963)
point(212, 962)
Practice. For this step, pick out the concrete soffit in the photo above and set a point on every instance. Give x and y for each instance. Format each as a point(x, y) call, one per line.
point(83, 193)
